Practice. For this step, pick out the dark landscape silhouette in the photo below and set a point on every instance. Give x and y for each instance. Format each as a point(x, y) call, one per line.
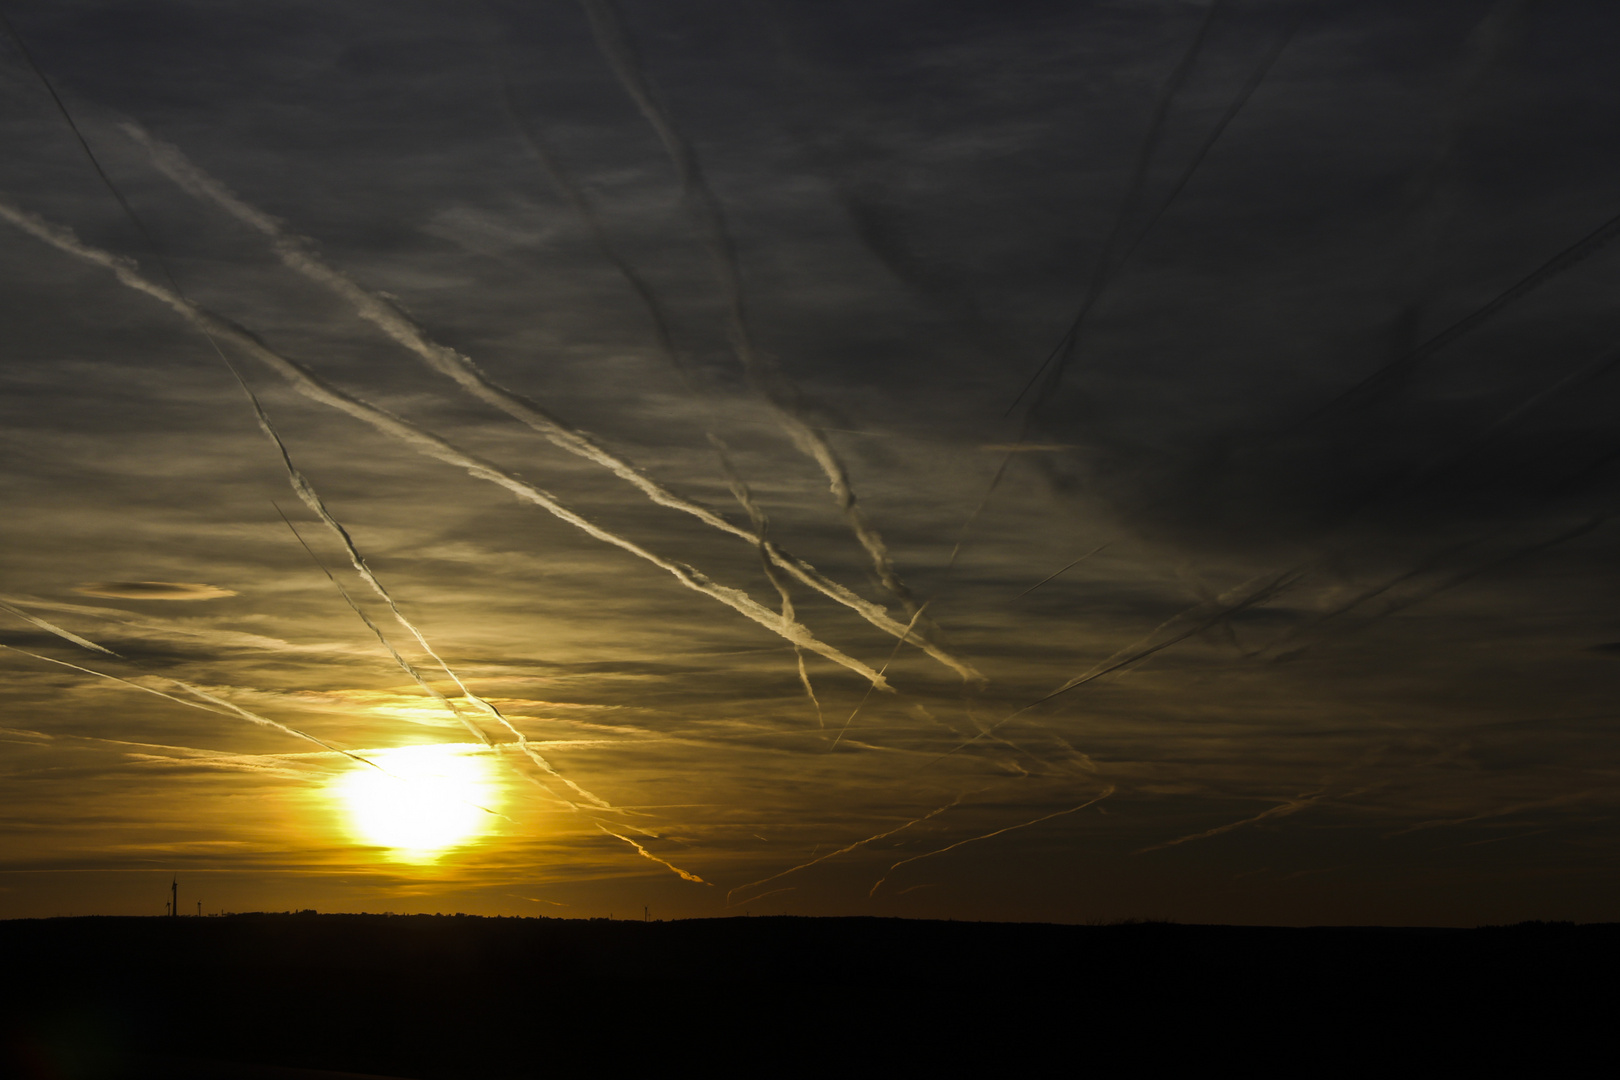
point(450, 996)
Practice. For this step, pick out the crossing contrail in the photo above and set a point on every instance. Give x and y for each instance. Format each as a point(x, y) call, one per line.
point(1046, 377)
point(299, 254)
point(686, 875)
point(1051, 370)
point(1280, 810)
point(862, 703)
point(988, 835)
point(424, 442)
point(761, 524)
point(616, 47)
point(846, 849)
point(1205, 615)
point(52, 628)
point(308, 495)
point(216, 705)
point(575, 196)
point(421, 680)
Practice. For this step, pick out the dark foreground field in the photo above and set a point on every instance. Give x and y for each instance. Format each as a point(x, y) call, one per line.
point(454, 996)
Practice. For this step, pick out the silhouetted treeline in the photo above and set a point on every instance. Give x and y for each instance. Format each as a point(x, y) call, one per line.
point(430, 997)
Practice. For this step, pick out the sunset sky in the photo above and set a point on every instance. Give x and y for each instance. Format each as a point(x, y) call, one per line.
point(943, 458)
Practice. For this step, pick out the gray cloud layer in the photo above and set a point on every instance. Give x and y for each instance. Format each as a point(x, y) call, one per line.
point(1321, 594)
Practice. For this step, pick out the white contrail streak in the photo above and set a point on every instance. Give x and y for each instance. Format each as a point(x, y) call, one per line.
point(1280, 810)
point(307, 494)
point(614, 43)
point(988, 835)
point(575, 196)
point(845, 850)
point(762, 525)
point(299, 255)
point(892, 654)
point(221, 707)
point(301, 485)
point(424, 442)
point(686, 875)
point(1056, 573)
point(1228, 604)
point(412, 670)
point(52, 628)
point(218, 706)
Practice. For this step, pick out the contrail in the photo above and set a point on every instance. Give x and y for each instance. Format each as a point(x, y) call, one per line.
point(1428, 201)
point(575, 196)
point(1375, 384)
point(307, 494)
point(1235, 106)
point(424, 442)
point(299, 255)
point(1057, 573)
point(761, 524)
point(151, 243)
point(892, 654)
point(1230, 603)
point(221, 707)
point(1505, 811)
point(763, 895)
point(428, 688)
point(616, 47)
point(218, 706)
point(300, 485)
point(1104, 267)
point(1280, 810)
point(1021, 825)
point(686, 875)
point(847, 849)
point(52, 628)
point(1051, 370)
point(404, 664)
point(1103, 272)
point(1402, 603)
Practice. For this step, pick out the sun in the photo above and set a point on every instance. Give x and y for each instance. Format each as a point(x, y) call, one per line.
point(422, 801)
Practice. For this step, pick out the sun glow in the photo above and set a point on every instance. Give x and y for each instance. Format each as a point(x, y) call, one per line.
point(430, 799)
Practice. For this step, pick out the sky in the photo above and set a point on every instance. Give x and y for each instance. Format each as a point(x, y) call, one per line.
point(1027, 461)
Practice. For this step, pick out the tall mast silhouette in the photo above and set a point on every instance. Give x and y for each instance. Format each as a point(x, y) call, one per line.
point(174, 897)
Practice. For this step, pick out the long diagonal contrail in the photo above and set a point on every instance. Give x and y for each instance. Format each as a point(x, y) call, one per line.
point(1046, 377)
point(213, 704)
point(428, 688)
point(862, 703)
point(299, 255)
point(300, 484)
point(575, 196)
point(762, 524)
point(310, 498)
point(972, 839)
point(1051, 370)
point(1255, 591)
point(221, 707)
point(424, 442)
point(686, 875)
point(52, 628)
point(1283, 809)
point(614, 43)
point(846, 849)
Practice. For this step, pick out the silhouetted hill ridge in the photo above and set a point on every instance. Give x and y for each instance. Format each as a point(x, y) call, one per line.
point(422, 995)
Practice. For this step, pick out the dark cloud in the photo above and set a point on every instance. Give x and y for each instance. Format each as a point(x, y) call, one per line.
point(152, 590)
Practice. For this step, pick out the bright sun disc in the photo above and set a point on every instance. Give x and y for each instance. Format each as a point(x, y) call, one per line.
point(429, 799)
